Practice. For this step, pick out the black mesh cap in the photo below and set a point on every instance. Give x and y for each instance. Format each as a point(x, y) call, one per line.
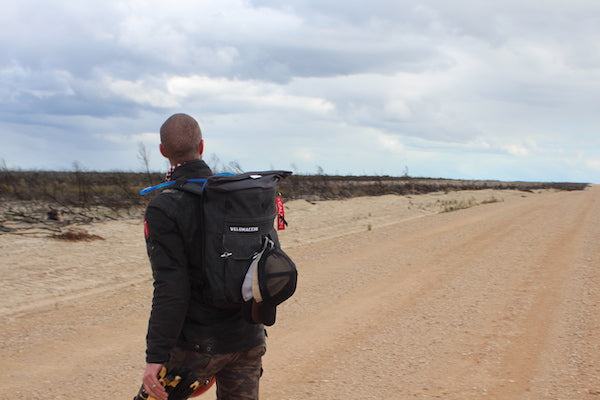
point(274, 283)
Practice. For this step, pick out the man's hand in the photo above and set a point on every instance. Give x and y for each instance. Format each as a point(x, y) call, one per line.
point(151, 383)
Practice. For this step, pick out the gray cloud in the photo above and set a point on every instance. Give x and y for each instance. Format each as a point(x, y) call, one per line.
point(513, 78)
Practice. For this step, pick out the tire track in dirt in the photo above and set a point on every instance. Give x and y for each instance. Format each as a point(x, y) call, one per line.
point(337, 331)
point(92, 348)
point(499, 300)
point(545, 289)
point(562, 319)
point(456, 343)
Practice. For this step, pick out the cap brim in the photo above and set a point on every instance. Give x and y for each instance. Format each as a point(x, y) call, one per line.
point(259, 313)
point(266, 313)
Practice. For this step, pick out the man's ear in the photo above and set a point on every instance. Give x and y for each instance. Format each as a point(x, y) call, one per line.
point(201, 147)
point(162, 150)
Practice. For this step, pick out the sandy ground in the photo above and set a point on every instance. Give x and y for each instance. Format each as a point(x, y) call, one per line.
point(396, 300)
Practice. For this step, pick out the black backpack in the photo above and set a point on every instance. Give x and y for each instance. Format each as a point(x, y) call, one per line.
point(239, 213)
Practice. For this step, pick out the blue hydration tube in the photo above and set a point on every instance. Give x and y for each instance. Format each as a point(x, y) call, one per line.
point(160, 186)
point(166, 184)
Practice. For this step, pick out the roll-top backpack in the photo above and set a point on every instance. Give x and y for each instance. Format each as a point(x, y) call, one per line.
point(239, 213)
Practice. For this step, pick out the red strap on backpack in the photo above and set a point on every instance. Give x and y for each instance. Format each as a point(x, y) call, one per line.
point(281, 223)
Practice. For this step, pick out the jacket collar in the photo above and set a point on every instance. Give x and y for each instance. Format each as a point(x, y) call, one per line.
point(192, 169)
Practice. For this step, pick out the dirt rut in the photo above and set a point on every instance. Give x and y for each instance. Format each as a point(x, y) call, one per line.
point(498, 301)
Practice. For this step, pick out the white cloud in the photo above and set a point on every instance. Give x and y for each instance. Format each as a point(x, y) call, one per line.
point(148, 137)
point(516, 150)
point(304, 155)
point(143, 91)
point(390, 143)
point(594, 165)
point(245, 96)
point(341, 84)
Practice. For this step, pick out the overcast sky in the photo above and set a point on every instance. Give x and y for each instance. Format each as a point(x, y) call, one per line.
point(501, 89)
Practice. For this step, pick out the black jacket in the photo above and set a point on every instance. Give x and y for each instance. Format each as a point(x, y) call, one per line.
point(179, 316)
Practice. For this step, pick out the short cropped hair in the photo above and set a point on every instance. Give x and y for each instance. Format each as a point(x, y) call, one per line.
point(180, 137)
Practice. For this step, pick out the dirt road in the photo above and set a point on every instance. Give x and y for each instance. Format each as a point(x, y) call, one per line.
point(498, 301)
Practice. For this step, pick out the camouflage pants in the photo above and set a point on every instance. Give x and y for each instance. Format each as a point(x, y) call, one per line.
point(237, 374)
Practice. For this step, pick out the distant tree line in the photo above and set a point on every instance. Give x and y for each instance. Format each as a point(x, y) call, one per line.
point(121, 189)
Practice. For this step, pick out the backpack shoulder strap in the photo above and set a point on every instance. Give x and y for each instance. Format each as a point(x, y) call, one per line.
point(195, 186)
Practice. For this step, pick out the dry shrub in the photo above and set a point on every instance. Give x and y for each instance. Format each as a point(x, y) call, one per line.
point(77, 235)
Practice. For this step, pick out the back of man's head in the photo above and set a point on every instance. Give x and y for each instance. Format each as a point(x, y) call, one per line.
point(180, 137)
